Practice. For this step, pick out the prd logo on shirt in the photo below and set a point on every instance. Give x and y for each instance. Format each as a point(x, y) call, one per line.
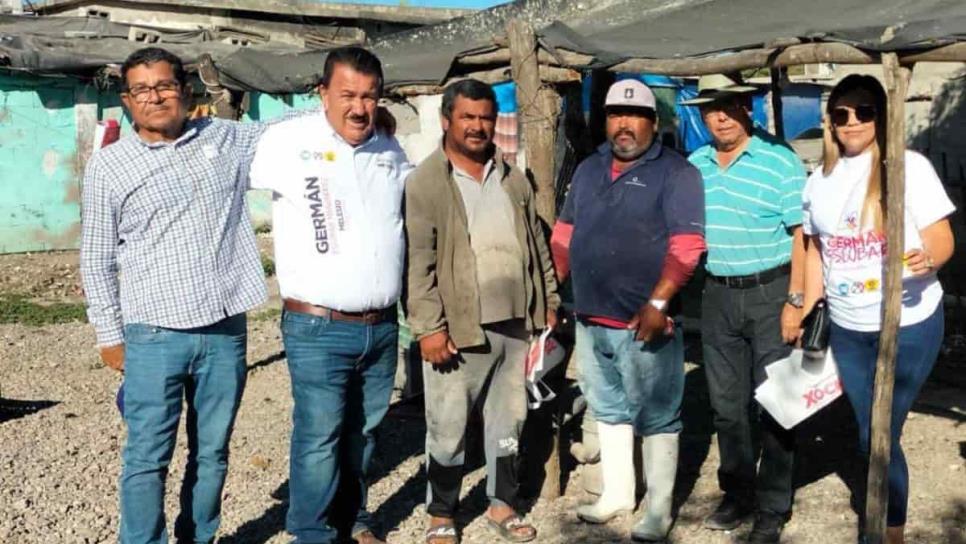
point(852, 221)
point(870, 285)
point(307, 155)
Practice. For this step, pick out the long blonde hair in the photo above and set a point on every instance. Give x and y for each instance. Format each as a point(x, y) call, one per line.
point(873, 207)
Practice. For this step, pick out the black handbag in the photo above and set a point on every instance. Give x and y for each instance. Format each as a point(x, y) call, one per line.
point(815, 327)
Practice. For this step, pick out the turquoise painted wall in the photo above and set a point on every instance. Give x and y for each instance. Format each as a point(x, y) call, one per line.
point(41, 170)
point(265, 107)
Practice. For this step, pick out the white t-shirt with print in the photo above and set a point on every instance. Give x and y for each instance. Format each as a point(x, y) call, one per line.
point(853, 257)
point(336, 213)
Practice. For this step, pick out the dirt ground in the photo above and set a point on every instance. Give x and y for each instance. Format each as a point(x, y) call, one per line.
point(61, 436)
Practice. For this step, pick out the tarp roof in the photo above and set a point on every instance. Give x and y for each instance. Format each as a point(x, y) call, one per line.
point(609, 31)
point(616, 30)
point(81, 45)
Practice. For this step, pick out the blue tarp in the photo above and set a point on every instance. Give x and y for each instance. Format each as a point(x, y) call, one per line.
point(506, 97)
point(801, 108)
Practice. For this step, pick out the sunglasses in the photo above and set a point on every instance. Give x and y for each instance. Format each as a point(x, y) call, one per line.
point(864, 113)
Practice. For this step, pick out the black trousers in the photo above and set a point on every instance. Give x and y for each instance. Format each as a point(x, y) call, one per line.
point(741, 335)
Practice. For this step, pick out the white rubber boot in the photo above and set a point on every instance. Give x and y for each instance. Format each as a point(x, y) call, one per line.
point(660, 467)
point(617, 468)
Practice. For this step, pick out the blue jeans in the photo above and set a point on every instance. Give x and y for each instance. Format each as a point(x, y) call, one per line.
point(163, 367)
point(856, 353)
point(627, 381)
point(342, 379)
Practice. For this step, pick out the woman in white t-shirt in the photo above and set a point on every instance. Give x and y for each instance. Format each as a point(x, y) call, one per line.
point(844, 223)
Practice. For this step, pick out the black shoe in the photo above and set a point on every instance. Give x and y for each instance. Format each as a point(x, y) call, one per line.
point(729, 514)
point(768, 528)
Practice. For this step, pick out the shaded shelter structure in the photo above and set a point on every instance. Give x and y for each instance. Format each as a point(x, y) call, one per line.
point(248, 59)
point(545, 46)
point(694, 37)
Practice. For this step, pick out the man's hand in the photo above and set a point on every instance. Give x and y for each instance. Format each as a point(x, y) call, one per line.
point(791, 321)
point(437, 348)
point(649, 322)
point(113, 356)
point(551, 319)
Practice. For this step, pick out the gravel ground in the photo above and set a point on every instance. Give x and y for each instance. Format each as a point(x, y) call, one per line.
point(60, 441)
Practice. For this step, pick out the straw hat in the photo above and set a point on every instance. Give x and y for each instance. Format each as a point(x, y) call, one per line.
point(716, 87)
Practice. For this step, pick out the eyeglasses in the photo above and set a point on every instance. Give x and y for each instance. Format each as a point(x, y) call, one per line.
point(864, 113)
point(166, 89)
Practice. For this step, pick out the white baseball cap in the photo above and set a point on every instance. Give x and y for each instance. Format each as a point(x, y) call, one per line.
point(630, 93)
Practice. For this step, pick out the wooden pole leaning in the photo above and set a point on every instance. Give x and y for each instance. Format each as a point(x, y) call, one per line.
point(777, 73)
point(897, 80)
point(537, 110)
point(221, 97)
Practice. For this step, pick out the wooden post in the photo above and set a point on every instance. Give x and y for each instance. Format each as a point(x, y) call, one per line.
point(776, 100)
point(221, 99)
point(896, 79)
point(600, 82)
point(537, 110)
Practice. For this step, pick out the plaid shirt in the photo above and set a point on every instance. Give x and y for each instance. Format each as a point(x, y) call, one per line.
point(166, 238)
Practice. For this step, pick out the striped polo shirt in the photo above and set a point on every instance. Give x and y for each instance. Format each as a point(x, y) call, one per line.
point(751, 205)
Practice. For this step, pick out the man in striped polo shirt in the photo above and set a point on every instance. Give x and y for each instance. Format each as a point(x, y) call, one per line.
point(751, 308)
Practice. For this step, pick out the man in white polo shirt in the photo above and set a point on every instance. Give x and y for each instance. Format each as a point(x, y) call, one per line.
point(339, 248)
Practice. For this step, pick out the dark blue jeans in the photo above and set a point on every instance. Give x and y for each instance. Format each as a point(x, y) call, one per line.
point(204, 367)
point(342, 378)
point(855, 353)
point(741, 335)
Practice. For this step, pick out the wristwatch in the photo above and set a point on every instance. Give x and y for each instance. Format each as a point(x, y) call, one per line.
point(796, 299)
point(661, 305)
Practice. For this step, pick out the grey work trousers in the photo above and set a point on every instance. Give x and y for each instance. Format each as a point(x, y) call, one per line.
point(490, 377)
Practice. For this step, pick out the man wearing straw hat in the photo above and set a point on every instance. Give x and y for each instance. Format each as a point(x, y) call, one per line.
point(751, 307)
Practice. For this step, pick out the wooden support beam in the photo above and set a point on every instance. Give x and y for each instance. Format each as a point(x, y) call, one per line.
point(600, 82)
point(777, 75)
point(537, 110)
point(751, 58)
point(560, 57)
point(894, 183)
point(548, 74)
point(221, 98)
point(948, 53)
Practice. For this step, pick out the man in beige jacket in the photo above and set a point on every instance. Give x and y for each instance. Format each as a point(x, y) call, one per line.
point(480, 282)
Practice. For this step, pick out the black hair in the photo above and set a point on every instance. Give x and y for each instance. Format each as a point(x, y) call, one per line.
point(473, 89)
point(354, 57)
point(151, 55)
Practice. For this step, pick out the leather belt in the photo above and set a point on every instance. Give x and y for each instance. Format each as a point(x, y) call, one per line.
point(753, 280)
point(369, 317)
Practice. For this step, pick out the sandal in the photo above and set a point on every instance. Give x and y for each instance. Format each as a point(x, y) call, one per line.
point(444, 533)
point(508, 527)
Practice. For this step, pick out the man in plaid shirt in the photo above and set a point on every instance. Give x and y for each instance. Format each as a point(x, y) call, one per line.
point(170, 266)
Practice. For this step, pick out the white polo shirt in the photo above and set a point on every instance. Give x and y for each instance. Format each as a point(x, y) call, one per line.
point(336, 213)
